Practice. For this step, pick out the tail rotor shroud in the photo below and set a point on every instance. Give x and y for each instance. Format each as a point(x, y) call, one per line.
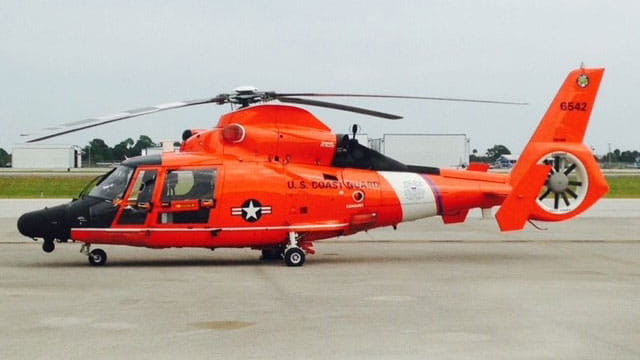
point(566, 186)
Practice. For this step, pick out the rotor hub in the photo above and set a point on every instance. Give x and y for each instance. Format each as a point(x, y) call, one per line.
point(567, 184)
point(558, 182)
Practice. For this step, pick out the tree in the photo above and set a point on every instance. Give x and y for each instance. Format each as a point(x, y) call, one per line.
point(97, 151)
point(143, 142)
point(474, 156)
point(618, 156)
point(123, 149)
point(5, 158)
point(494, 153)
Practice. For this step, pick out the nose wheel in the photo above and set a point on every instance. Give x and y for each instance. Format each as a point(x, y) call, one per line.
point(48, 245)
point(97, 257)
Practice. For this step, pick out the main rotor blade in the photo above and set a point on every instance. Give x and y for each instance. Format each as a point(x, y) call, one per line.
point(329, 105)
point(74, 126)
point(402, 97)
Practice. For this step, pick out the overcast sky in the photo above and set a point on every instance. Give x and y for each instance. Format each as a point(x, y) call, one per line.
point(62, 61)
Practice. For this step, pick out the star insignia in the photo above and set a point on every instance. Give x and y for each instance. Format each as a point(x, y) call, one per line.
point(251, 210)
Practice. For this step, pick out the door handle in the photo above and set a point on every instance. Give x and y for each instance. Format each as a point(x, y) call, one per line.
point(144, 205)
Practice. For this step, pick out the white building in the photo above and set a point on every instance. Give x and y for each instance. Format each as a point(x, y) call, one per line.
point(46, 156)
point(165, 146)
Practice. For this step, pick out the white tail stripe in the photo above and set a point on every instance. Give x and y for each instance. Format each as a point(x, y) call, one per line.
point(416, 196)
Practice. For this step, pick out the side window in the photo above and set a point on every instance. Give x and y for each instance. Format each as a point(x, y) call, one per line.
point(197, 184)
point(188, 196)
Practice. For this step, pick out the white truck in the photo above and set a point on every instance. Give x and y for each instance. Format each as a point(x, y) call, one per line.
point(46, 156)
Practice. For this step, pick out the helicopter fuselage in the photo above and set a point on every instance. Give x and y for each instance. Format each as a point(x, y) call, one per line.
point(263, 174)
point(257, 205)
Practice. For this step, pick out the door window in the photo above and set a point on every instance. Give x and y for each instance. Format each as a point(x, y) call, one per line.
point(188, 196)
point(138, 204)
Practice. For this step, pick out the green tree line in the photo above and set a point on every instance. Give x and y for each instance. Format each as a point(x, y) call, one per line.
point(621, 156)
point(615, 156)
point(98, 151)
point(491, 155)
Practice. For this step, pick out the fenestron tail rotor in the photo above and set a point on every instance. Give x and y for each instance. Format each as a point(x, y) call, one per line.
point(243, 96)
point(566, 184)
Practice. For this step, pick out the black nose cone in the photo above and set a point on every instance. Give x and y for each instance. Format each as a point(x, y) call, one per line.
point(33, 224)
point(47, 223)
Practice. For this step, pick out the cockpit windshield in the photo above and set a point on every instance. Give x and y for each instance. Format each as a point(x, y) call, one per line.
point(114, 184)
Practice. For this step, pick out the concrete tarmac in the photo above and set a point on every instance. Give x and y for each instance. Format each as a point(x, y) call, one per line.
point(424, 291)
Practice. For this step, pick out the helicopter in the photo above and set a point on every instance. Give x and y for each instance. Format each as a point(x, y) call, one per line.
point(275, 178)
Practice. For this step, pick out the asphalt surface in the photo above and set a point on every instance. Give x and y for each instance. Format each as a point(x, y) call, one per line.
point(424, 291)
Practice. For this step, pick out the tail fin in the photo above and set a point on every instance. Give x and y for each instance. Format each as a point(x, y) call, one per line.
point(557, 176)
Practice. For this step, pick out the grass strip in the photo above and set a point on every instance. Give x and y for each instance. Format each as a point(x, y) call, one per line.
point(42, 186)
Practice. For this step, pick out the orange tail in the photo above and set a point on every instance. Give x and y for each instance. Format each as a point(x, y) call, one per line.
point(557, 176)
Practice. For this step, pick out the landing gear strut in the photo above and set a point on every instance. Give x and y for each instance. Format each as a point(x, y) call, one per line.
point(293, 254)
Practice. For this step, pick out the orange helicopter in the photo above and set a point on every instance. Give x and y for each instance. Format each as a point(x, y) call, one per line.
point(275, 178)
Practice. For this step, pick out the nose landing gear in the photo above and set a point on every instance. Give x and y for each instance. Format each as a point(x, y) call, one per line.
point(48, 245)
point(97, 257)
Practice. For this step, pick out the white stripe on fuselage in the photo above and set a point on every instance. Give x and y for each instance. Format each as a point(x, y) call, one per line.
point(415, 195)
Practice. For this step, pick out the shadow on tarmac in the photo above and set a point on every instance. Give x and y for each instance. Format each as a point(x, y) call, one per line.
point(449, 257)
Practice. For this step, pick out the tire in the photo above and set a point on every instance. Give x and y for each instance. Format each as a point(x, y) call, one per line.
point(294, 257)
point(48, 245)
point(97, 257)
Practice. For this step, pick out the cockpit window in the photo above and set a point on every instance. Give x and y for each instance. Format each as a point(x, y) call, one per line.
point(114, 185)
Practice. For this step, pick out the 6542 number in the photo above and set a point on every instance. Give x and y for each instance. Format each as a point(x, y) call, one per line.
point(573, 106)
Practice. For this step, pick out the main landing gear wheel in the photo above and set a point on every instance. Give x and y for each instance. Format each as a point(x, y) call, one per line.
point(97, 257)
point(294, 256)
point(48, 245)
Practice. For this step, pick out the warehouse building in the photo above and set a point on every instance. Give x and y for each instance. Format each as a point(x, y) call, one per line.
point(46, 156)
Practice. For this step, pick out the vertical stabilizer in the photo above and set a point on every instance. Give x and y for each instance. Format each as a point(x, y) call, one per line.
point(557, 177)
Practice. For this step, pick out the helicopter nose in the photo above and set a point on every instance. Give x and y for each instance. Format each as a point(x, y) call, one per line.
point(33, 224)
point(48, 223)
